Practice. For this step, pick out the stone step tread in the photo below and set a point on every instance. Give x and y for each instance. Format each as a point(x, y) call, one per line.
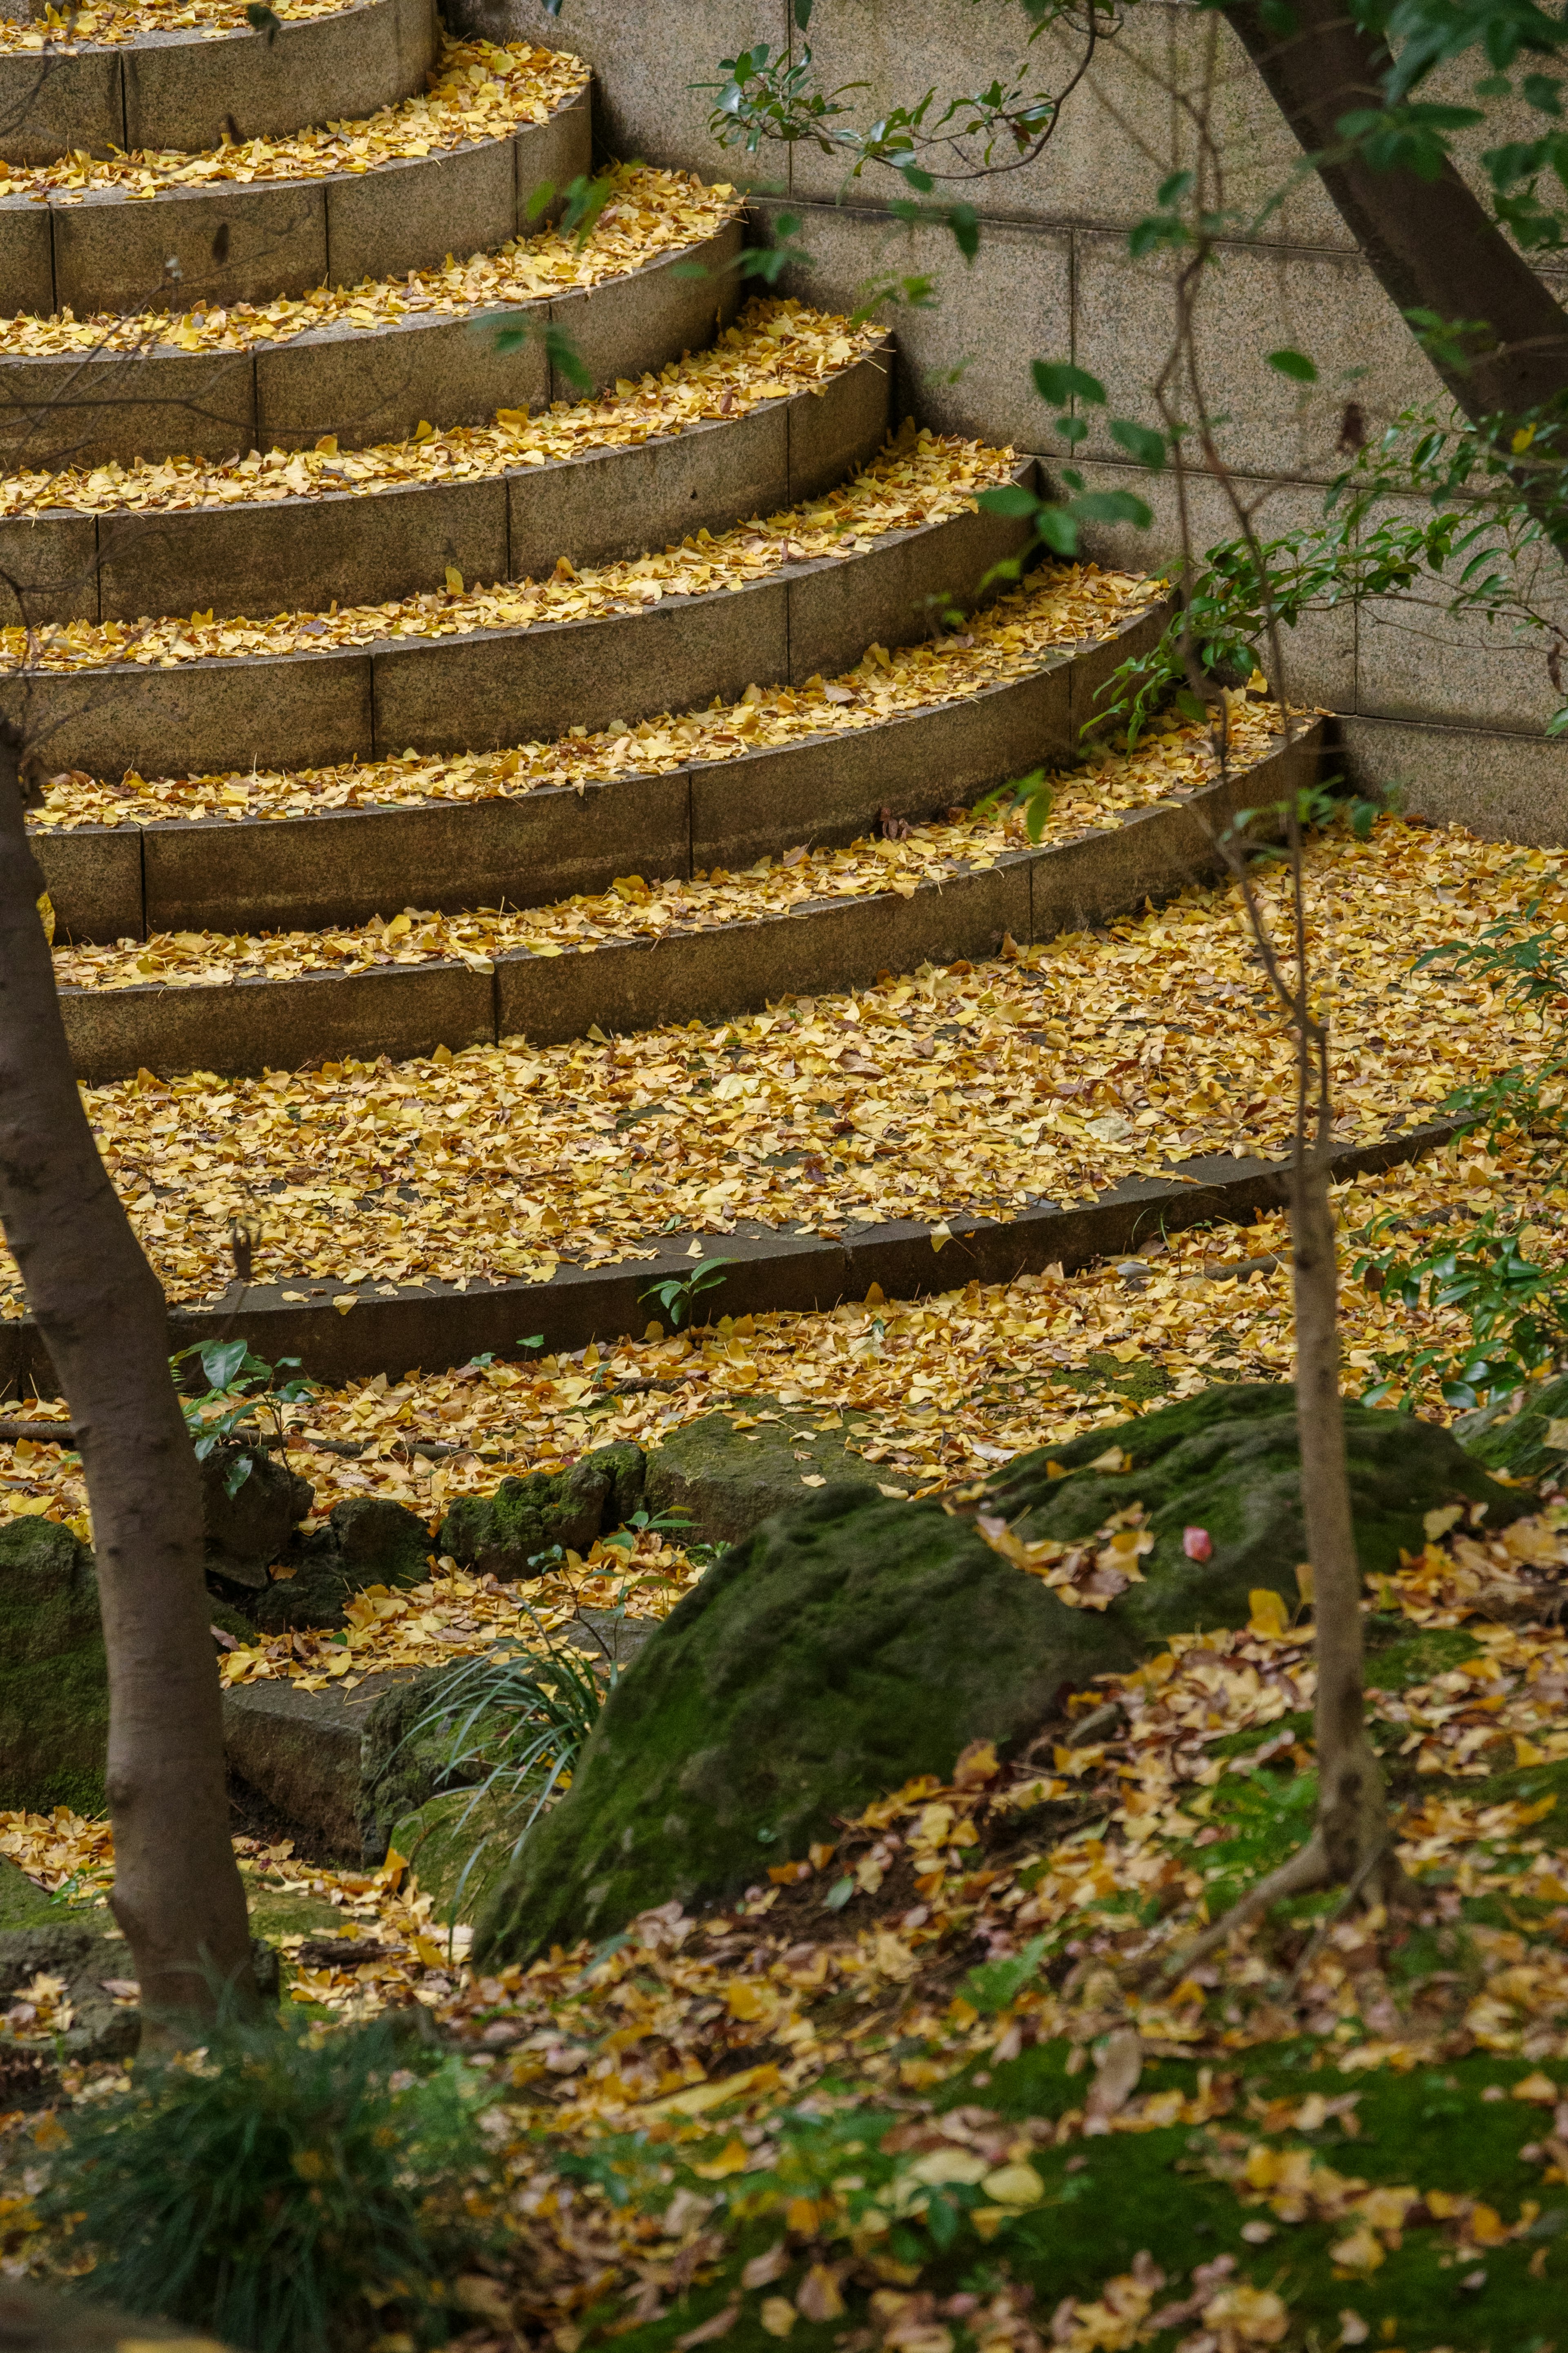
point(153, 77)
point(911, 487)
point(654, 213)
point(480, 93)
point(1093, 800)
point(774, 349)
point(500, 1162)
point(770, 415)
point(1059, 607)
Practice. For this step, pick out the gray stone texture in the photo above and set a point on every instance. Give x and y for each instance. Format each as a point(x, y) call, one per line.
point(672, 306)
point(297, 554)
point(48, 569)
point(180, 89)
point(1506, 787)
point(27, 263)
point(93, 874)
point(51, 106)
point(85, 409)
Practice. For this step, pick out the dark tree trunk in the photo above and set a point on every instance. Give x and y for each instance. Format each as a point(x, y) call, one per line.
point(177, 1891)
point(1432, 243)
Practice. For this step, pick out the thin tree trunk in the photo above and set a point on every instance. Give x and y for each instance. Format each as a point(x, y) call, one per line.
point(1352, 1817)
point(177, 1891)
point(1432, 243)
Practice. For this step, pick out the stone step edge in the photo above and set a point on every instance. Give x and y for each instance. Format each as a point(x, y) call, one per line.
point(376, 382)
point(437, 1328)
point(626, 987)
point(613, 500)
point(166, 80)
point(247, 874)
point(287, 236)
point(483, 688)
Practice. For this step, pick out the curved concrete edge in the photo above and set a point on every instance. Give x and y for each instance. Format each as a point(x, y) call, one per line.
point(365, 384)
point(486, 689)
point(629, 985)
point(435, 1326)
point(289, 554)
point(176, 90)
point(248, 244)
point(346, 866)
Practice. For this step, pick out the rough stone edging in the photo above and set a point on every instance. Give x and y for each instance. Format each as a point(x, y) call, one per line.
point(144, 92)
point(345, 866)
point(485, 688)
point(633, 984)
point(371, 547)
point(437, 1326)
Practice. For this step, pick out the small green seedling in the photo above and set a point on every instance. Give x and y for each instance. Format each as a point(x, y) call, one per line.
point(678, 1293)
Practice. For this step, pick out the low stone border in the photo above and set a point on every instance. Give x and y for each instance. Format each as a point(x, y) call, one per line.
point(108, 251)
point(177, 89)
point(397, 1331)
point(643, 984)
point(291, 554)
point(345, 866)
point(485, 688)
point(365, 384)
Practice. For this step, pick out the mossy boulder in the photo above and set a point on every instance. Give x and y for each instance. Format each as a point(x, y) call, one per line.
point(1528, 1444)
point(247, 1531)
point(367, 1540)
point(504, 1534)
point(1227, 1462)
point(853, 1641)
point(54, 1686)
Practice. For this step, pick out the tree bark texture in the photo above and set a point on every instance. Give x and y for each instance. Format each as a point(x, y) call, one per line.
point(177, 1891)
point(1432, 243)
point(1352, 1819)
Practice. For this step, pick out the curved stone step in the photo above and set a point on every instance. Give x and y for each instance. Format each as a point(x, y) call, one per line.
point(111, 247)
point(129, 394)
point(696, 973)
point(342, 1332)
point(178, 89)
point(477, 688)
point(488, 520)
point(954, 738)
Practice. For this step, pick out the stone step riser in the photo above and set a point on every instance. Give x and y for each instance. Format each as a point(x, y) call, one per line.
point(345, 867)
point(109, 253)
point(299, 553)
point(437, 1326)
point(177, 89)
point(489, 689)
point(638, 985)
point(364, 384)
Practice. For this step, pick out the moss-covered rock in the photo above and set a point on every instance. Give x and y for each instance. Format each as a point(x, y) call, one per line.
point(847, 1644)
point(501, 1534)
point(852, 1641)
point(1522, 1442)
point(727, 1481)
point(247, 1531)
point(54, 1686)
point(367, 1541)
point(1227, 1462)
point(458, 1845)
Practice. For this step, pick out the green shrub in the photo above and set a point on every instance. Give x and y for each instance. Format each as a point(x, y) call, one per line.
point(286, 2190)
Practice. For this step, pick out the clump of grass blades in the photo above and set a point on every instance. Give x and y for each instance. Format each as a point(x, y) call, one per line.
point(285, 2189)
point(522, 1720)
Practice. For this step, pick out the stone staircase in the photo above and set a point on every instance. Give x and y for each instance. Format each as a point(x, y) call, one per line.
point(442, 559)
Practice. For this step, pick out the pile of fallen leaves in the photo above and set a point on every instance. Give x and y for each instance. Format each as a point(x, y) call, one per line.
point(1064, 606)
point(1051, 1076)
point(650, 213)
point(105, 24)
point(924, 480)
point(777, 348)
point(477, 93)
